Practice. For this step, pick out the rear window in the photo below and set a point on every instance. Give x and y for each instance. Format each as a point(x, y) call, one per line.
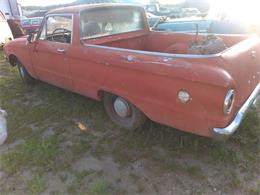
point(110, 21)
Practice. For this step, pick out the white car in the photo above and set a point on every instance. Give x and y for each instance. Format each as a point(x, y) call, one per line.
point(6, 33)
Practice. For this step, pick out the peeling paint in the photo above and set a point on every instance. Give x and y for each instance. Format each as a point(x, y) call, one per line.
point(165, 59)
point(130, 58)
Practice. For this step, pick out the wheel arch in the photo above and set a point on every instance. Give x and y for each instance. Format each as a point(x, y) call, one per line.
point(102, 92)
point(13, 59)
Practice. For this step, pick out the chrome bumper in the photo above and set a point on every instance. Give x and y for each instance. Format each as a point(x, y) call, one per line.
point(224, 133)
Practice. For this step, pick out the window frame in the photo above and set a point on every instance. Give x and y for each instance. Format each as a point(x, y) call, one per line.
point(44, 23)
point(97, 9)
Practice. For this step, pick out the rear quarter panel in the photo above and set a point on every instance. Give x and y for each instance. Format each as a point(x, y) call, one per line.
point(242, 61)
point(152, 81)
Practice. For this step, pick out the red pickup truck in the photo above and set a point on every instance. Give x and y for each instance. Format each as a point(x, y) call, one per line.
point(108, 52)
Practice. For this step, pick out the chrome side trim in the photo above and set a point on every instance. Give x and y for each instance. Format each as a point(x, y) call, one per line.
point(193, 56)
point(224, 133)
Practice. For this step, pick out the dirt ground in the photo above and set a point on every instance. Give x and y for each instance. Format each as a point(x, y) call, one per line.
point(63, 143)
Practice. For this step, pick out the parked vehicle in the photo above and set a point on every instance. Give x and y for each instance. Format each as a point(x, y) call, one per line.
point(108, 53)
point(184, 25)
point(16, 28)
point(175, 13)
point(189, 12)
point(157, 10)
point(10, 9)
point(31, 24)
point(190, 25)
point(6, 34)
point(152, 19)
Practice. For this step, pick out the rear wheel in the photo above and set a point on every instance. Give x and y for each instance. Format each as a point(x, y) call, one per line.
point(122, 112)
point(25, 76)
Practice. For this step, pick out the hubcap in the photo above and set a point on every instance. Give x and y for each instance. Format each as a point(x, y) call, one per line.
point(122, 108)
point(22, 71)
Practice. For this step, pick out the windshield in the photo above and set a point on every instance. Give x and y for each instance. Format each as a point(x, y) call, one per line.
point(111, 21)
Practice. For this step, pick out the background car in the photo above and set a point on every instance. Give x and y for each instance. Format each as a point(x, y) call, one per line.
point(157, 9)
point(16, 28)
point(205, 26)
point(189, 12)
point(31, 24)
point(175, 13)
point(183, 25)
point(152, 19)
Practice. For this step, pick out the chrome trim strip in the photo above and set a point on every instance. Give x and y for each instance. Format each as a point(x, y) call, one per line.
point(194, 56)
point(224, 133)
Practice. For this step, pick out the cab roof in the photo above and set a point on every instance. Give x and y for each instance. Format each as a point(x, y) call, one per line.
point(78, 8)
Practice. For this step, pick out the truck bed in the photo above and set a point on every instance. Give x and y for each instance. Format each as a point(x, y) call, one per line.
point(164, 42)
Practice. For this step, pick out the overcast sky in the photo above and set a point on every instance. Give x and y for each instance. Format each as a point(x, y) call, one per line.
point(56, 2)
point(43, 2)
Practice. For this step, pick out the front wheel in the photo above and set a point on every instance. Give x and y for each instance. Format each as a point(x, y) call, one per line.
point(122, 112)
point(25, 76)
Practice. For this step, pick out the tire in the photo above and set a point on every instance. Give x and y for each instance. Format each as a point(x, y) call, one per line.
point(25, 76)
point(131, 119)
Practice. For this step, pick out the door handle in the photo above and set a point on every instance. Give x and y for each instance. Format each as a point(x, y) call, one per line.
point(61, 50)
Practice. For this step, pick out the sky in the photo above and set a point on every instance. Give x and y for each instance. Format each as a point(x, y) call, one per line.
point(43, 2)
point(56, 2)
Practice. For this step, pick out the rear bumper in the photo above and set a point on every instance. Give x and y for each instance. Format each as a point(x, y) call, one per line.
point(224, 133)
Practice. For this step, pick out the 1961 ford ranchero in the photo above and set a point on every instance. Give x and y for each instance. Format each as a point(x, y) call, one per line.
point(107, 52)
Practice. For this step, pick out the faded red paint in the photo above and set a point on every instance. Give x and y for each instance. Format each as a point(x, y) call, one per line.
point(145, 68)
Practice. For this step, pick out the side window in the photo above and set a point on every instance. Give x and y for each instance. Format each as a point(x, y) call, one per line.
point(57, 29)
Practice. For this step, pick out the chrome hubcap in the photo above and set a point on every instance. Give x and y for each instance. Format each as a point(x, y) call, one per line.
point(122, 108)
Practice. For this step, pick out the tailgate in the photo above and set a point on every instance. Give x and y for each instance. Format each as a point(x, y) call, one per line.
point(242, 61)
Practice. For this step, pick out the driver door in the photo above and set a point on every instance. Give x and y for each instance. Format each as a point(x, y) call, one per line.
point(51, 48)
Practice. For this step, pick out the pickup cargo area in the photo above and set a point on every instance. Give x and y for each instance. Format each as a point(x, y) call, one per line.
point(175, 43)
point(128, 28)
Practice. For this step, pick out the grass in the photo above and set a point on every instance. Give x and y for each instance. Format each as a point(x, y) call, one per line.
point(255, 190)
point(36, 185)
point(78, 183)
point(99, 187)
point(34, 152)
point(35, 110)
